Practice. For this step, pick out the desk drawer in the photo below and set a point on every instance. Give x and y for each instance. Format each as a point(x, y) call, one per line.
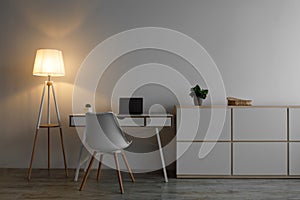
point(137, 121)
point(158, 121)
point(77, 121)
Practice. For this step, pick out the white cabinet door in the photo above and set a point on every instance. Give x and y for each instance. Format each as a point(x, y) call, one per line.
point(294, 122)
point(294, 158)
point(193, 124)
point(259, 124)
point(217, 162)
point(260, 158)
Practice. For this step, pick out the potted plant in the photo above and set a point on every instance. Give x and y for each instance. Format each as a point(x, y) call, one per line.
point(198, 94)
point(87, 108)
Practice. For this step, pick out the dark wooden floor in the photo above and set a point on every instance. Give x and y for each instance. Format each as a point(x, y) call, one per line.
point(14, 185)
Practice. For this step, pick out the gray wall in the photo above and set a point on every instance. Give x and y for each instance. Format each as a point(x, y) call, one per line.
point(255, 44)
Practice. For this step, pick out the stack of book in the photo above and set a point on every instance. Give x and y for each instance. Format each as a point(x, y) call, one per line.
point(238, 102)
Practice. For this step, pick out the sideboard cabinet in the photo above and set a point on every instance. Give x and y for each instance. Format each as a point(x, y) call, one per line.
point(256, 141)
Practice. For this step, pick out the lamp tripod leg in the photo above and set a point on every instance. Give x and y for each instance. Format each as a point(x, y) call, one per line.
point(48, 149)
point(63, 150)
point(60, 128)
point(32, 154)
point(56, 105)
point(36, 132)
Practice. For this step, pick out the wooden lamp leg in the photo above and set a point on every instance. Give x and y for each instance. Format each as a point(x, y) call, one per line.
point(63, 150)
point(48, 149)
point(37, 131)
point(60, 129)
point(32, 154)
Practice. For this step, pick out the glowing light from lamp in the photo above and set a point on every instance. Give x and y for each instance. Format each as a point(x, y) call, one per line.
point(48, 62)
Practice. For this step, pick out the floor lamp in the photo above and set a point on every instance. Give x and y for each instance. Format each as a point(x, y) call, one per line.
point(48, 62)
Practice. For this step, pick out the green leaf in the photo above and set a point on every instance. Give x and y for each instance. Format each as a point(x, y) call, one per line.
point(202, 93)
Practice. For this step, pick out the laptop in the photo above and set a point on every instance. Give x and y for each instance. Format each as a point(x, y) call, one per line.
point(131, 105)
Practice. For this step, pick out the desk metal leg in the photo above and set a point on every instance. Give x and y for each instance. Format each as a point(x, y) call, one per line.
point(161, 155)
point(78, 163)
point(86, 161)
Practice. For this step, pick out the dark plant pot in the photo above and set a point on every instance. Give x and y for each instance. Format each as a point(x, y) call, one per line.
point(198, 101)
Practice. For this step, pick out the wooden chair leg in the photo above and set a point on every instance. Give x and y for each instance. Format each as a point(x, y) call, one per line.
point(32, 154)
point(63, 150)
point(128, 167)
point(87, 172)
point(99, 167)
point(119, 173)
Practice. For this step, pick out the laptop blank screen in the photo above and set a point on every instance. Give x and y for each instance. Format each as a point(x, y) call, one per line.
point(132, 105)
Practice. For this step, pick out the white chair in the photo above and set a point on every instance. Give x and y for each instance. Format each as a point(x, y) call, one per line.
point(104, 136)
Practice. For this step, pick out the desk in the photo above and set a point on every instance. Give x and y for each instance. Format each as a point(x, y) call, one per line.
point(143, 120)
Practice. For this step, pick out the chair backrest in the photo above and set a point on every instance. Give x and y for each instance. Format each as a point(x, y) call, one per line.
point(103, 132)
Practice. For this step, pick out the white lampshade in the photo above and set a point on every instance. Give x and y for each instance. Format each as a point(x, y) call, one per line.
point(48, 62)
